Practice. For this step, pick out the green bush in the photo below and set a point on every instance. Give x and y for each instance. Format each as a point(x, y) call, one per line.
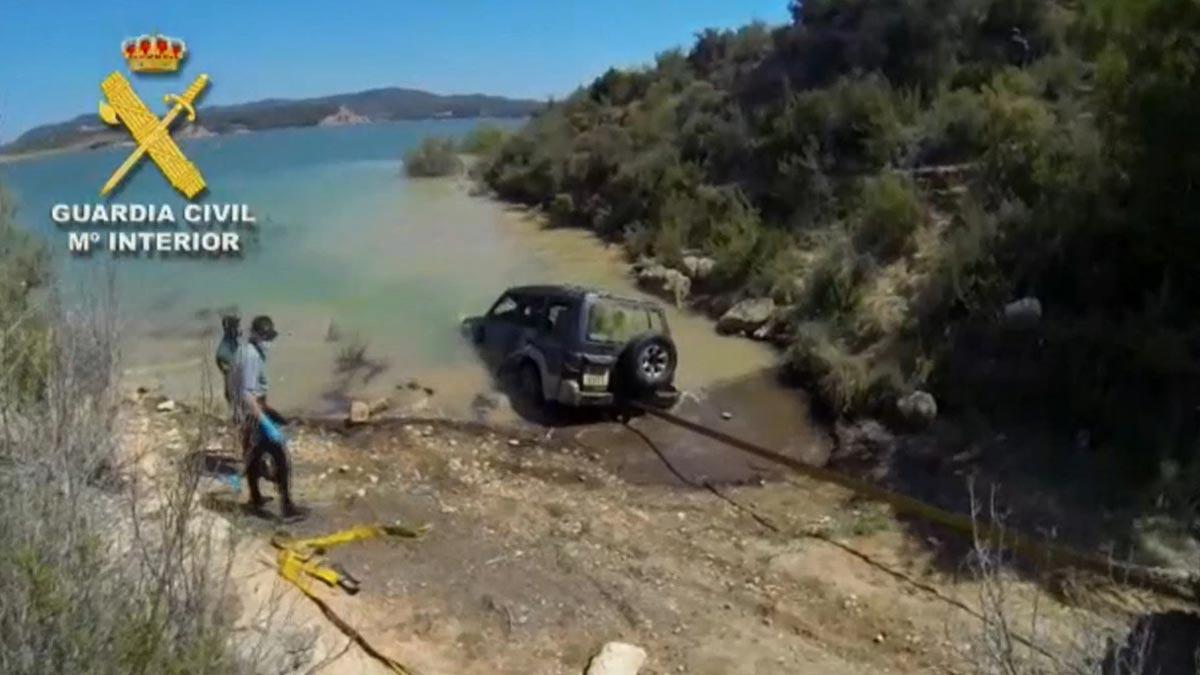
point(888, 213)
point(24, 269)
point(483, 140)
point(434, 157)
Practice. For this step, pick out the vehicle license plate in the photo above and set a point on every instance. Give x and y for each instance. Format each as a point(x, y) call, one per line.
point(599, 379)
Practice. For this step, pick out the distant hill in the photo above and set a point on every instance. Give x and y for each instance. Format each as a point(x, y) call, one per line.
point(374, 105)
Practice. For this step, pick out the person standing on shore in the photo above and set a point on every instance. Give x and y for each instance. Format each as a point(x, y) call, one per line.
point(259, 423)
point(227, 349)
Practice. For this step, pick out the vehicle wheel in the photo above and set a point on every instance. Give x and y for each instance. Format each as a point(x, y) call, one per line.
point(648, 362)
point(530, 382)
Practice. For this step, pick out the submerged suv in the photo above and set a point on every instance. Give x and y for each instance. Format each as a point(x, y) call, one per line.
point(578, 347)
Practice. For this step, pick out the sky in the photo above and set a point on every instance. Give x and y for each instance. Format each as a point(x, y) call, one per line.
point(54, 53)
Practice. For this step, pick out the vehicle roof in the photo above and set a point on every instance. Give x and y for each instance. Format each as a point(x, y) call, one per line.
point(571, 292)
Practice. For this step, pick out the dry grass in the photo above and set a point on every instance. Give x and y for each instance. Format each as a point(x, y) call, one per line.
point(108, 565)
point(1018, 634)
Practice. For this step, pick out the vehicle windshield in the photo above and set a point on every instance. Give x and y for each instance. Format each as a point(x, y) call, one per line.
point(615, 321)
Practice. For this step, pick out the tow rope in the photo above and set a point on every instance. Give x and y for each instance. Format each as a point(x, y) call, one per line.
point(300, 560)
point(1164, 580)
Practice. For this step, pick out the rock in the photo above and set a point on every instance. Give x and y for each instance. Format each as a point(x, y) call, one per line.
point(665, 281)
point(514, 442)
point(166, 406)
point(864, 440)
point(617, 658)
point(359, 412)
point(698, 268)
point(378, 405)
point(1024, 311)
point(373, 478)
point(726, 415)
point(746, 316)
point(918, 409)
point(360, 493)
point(778, 328)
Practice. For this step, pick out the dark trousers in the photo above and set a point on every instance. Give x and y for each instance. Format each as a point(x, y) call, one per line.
point(258, 448)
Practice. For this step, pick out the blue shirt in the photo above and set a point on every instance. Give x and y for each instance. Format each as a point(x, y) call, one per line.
point(247, 378)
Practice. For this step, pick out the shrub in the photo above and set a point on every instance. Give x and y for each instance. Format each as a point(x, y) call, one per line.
point(888, 213)
point(562, 209)
point(107, 569)
point(24, 268)
point(484, 140)
point(952, 128)
point(432, 158)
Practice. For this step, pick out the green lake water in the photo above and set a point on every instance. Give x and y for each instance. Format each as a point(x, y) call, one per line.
point(343, 237)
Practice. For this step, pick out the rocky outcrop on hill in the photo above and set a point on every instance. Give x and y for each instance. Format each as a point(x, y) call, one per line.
point(194, 131)
point(343, 117)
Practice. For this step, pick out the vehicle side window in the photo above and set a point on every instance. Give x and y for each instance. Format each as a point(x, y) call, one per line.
point(506, 308)
point(531, 312)
point(558, 315)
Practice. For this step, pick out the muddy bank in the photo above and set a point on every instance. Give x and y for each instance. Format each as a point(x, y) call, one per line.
point(539, 553)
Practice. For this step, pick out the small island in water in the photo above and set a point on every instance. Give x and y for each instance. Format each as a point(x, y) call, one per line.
point(374, 105)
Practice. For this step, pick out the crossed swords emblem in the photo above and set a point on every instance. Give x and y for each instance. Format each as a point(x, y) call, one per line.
point(153, 135)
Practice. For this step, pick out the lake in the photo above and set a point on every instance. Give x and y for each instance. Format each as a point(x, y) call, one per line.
point(343, 239)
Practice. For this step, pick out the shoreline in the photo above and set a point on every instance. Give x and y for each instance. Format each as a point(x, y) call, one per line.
point(95, 143)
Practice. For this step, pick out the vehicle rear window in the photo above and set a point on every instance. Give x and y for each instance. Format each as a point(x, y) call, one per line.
point(615, 321)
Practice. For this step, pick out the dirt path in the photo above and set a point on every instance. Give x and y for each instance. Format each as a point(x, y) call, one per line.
point(540, 552)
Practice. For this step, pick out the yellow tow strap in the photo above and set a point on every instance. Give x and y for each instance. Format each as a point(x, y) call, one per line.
point(300, 559)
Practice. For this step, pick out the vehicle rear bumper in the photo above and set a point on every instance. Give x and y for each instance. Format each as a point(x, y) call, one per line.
point(570, 393)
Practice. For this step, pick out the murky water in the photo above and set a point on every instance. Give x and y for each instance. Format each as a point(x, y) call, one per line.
point(344, 240)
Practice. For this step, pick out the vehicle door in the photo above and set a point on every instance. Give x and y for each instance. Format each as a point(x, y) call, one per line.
point(498, 328)
point(553, 338)
point(509, 325)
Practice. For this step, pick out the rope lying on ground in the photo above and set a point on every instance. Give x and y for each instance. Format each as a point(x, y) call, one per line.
point(300, 559)
point(766, 523)
point(1166, 581)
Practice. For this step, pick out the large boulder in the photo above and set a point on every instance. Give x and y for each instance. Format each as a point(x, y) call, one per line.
point(918, 409)
point(698, 267)
point(665, 281)
point(1023, 312)
point(617, 658)
point(778, 327)
point(746, 316)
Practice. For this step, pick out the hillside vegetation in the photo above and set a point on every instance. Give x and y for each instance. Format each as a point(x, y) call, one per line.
point(435, 156)
point(893, 174)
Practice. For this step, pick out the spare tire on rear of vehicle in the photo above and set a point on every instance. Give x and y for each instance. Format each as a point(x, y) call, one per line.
point(647, 363)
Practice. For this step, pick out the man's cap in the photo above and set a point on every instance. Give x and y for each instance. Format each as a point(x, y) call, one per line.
point(263, 327)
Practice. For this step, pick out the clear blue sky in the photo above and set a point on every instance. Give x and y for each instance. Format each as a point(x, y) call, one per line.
point(53, 54)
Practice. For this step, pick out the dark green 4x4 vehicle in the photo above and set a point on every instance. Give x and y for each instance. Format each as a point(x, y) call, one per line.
point(578, 347)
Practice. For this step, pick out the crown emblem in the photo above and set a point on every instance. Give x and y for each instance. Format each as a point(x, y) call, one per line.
point(154, 53)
